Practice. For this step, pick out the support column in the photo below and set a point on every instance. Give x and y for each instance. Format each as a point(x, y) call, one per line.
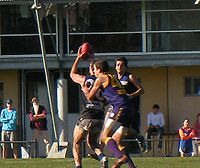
point(62, 102)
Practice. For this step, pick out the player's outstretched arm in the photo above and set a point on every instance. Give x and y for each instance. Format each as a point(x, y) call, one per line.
point(75, 76)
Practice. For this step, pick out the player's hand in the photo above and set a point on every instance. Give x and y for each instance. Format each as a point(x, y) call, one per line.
point(79, 54)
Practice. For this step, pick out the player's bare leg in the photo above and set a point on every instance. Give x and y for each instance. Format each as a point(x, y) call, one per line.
point(77, 139)
point(92, 141)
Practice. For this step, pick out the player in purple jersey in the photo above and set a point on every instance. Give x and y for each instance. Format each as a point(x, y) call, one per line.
point(133, 89)
point(120, 115)
point(132, 86)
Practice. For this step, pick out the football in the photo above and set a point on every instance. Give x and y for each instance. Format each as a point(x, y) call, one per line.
point(87, 51)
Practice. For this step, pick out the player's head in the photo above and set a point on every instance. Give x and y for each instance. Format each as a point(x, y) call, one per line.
point(186, 122)
point(122, 59)
point(100, 65)
point(121, 64)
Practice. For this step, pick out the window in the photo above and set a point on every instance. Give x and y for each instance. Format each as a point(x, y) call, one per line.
point(19, 33)
point(170, 26)
point(192, 86)
point(110, 26)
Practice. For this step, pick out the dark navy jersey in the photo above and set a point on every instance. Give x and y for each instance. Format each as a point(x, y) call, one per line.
point(130, 88)
point(127, 84)
point(92, 109)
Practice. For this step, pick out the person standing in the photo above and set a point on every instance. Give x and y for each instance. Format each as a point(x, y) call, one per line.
point(38, 123)
point(133, 89)
point(155, 123)
point(132, 86)
point(120, 115)
point(9, 121)
point(90, 122)
point(186, 134)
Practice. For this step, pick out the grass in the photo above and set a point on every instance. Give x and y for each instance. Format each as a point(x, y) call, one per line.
point(141, 162)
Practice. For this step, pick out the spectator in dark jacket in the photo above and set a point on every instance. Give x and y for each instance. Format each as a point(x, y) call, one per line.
point(38, 123)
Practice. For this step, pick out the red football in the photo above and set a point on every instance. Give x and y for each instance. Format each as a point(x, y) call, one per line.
point(87, 51)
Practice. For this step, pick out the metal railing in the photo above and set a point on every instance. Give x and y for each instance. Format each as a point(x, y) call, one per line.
point(31, 147)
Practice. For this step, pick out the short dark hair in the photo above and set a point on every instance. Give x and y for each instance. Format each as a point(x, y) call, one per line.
point(186, 119)
point(34, 99)
point(156, 106)
point(9, 101)
point(122, 59)
point(102, 65)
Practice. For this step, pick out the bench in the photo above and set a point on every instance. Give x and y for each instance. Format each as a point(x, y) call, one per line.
point(168, 142)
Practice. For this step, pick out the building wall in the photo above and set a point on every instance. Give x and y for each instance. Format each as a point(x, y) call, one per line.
point(181, 106)
point(11, 89)
point(154, 82)
point(165, 86)
point(11, 86)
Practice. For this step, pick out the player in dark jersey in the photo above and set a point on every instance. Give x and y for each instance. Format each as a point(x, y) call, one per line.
point(120, 115)
point(90, 123)
point(133, 89)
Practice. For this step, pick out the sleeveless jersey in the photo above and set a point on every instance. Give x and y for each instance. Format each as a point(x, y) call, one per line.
point(91, 109)
point(124, 80)
point(115, 93)
point(130, 88)
point(186, 145)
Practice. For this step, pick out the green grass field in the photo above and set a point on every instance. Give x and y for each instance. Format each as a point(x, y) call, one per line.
point(141, 162)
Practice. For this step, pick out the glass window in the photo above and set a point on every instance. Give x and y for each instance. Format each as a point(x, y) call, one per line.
point(192, 86)
point(20, 19)
point(24, 45)
point(170, 26)
point(173, 41)
point(173, 20)
point(105, 17)
point(170, 4)
point(108, 43)
point(17, 23)
point(109, 27)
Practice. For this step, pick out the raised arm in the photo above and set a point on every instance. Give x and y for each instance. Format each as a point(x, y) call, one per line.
point(75, 76)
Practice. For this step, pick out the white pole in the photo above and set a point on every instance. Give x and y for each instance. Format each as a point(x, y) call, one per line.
point(36, 6)
point(62, 102)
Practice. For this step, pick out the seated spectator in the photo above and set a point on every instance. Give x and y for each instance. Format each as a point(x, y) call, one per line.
point(156, 124)
point(186, 134)
point(196, 139)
